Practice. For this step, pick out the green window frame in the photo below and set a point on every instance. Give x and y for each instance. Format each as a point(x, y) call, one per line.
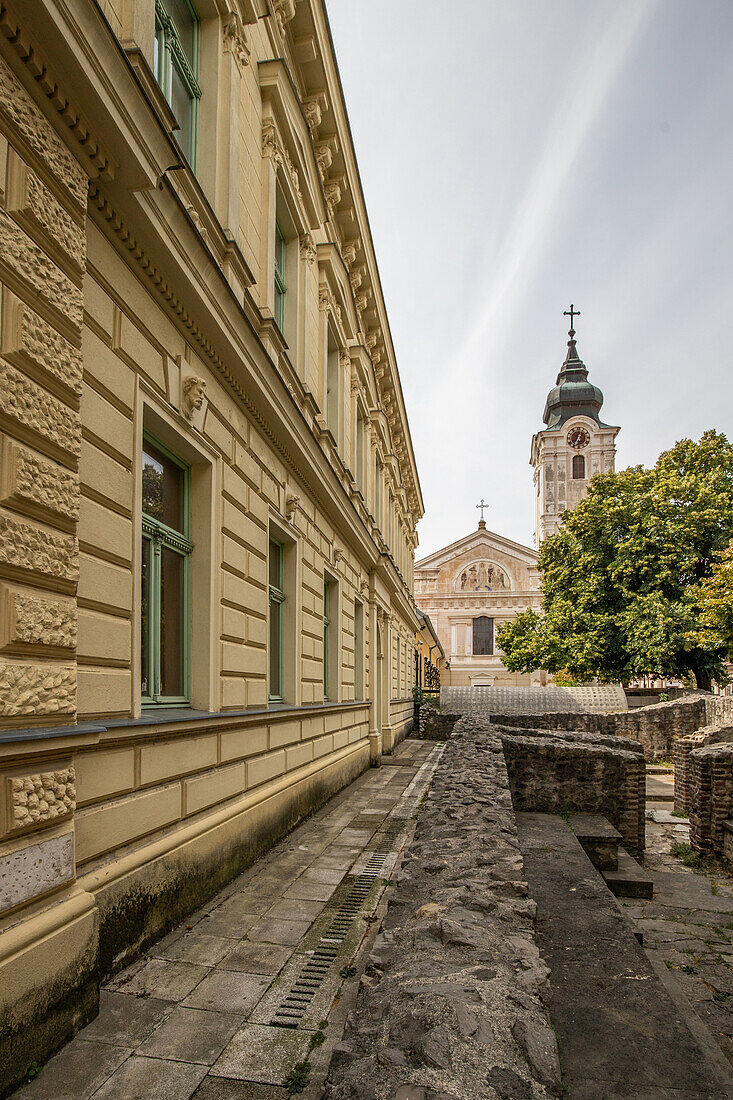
point(326, 637)
point(276, 608)
point(176, 66)
point(280, 288)
point(161, 544)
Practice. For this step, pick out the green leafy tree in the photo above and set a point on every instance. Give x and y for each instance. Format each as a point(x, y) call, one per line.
point(715, 594)
point(622, 579)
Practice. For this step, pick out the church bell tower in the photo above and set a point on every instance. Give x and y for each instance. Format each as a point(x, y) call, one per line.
point(574, 444)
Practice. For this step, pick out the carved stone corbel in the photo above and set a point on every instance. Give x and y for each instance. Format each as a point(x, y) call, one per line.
point(308, 249)
point(332, 191)
point(284, 12)
point(349, 251)
point(312, 111)
point(324, 156)
point(235, 39)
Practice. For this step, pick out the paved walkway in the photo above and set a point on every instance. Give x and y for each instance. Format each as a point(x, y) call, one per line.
point(688, 924)
point(251, 988)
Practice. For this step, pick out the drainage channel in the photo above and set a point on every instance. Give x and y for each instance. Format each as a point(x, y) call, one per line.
point(303, 993)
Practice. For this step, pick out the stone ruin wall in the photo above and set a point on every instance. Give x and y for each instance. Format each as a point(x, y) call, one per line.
point(453, 997)
point(656, 727)
point(579, 773)
point(710, 796)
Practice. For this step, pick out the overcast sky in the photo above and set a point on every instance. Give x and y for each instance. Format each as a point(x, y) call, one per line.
point(517, 155)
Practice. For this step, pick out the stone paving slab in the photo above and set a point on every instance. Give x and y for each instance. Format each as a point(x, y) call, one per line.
point(619, 1031)
point(178, 1023)
point(688, 929)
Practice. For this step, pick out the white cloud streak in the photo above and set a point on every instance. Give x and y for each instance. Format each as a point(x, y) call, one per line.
point(593, 80)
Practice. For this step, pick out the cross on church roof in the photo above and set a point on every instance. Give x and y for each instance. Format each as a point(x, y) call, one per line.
point(572, 313)
point(482, 505)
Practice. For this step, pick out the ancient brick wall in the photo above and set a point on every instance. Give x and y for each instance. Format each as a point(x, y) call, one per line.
point(579, 773)
point(683, 746)
point(710, 796)
point(656, 727)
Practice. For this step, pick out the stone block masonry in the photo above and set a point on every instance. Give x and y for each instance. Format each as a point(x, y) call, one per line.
point(451, 1004)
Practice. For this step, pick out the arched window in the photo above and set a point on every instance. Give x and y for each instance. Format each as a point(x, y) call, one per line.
point(483, 636)
point(578, 467)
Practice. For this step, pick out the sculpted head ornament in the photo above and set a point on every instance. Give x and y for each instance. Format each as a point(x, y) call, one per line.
point(194, 393)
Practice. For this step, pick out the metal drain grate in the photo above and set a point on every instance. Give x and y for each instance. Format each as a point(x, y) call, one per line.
point(338, 921)
point(297, 1000)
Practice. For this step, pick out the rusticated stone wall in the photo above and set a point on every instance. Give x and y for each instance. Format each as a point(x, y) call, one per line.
point(579, 772)
point(42, 257)
point(451, 1004)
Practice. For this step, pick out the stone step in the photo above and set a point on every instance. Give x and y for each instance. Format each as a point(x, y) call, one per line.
point(598, 839)
point(629, 880)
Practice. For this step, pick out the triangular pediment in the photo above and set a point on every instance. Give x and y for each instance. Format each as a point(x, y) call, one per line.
point(483, 542)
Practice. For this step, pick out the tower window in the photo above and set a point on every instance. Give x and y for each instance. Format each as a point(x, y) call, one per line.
point(578, 467)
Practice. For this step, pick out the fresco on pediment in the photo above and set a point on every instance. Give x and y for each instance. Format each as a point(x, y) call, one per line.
point(482, 576)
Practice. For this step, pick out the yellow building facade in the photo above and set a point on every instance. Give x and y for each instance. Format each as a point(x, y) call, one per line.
point(209, 492)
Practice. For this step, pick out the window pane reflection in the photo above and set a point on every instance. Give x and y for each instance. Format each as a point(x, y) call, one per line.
point(147, 687)
point(162, 488)
point(275, 658)
point(171, 623)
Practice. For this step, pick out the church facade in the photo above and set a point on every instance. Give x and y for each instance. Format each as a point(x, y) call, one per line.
point(472, 587)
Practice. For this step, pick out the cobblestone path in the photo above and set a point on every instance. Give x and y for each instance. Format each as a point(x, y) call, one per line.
point(688, 924)
point(257, 981)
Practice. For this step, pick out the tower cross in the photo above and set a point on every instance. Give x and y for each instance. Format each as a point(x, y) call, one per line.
point(572, 313)
point(481, 506)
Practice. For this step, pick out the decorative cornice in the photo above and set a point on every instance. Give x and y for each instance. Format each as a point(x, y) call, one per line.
point(91, 152)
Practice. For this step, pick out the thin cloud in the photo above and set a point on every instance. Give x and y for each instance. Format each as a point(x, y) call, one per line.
point(592, 86)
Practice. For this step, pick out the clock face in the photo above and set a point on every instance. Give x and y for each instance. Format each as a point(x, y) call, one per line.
point(578, 438)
